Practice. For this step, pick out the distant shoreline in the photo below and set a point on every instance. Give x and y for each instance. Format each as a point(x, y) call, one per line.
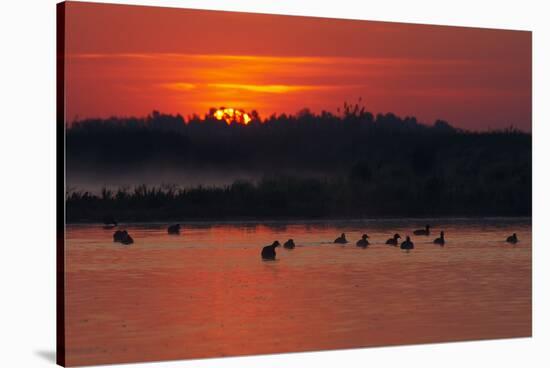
point(420, 219)
point(356, 165)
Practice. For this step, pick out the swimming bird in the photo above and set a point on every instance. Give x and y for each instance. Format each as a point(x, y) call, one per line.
point(363, 242)
point(341, 239)
point(440, 240)
point(174, 229)
point(268, 252)
point(289, 244)
point(393, 241)
point(407, 244)
point(119, 235)
point(512, 239)
point(128, 240)
point(425, 231)
point(122, 236)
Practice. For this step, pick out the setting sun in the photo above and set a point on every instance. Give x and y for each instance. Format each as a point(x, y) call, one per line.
point(231, 115)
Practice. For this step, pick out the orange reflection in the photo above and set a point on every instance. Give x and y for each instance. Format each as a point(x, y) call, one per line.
point(211, 294)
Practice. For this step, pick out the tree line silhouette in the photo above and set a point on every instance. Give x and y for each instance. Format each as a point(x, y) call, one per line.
point(365, 165)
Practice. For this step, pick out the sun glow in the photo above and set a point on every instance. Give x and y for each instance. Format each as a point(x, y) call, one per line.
point(231, 115)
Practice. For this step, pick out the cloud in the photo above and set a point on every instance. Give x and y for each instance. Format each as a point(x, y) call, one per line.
point(272, 59)
point(179, 86)
point(267, 88)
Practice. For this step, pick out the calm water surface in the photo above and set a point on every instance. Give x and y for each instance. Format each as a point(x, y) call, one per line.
point(207, 293)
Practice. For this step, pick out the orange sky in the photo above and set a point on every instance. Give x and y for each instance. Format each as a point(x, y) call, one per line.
point(129, 60)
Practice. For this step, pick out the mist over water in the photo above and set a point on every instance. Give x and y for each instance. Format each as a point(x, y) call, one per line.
point(152, 175)
point(94, 179)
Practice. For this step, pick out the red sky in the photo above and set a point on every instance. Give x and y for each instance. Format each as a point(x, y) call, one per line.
point(129, 60)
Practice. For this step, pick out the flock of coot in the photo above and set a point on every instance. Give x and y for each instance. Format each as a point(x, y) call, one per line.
point(268, 252)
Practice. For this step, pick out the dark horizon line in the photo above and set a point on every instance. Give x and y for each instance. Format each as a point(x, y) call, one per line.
point(283, 219)
point(186, 119)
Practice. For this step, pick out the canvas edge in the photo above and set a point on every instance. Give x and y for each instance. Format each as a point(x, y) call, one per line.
point(60, 183)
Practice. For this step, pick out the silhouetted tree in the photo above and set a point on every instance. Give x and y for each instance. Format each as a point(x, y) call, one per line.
point(352, 164)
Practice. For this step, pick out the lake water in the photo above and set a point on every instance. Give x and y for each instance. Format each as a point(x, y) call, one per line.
point(207, 293)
